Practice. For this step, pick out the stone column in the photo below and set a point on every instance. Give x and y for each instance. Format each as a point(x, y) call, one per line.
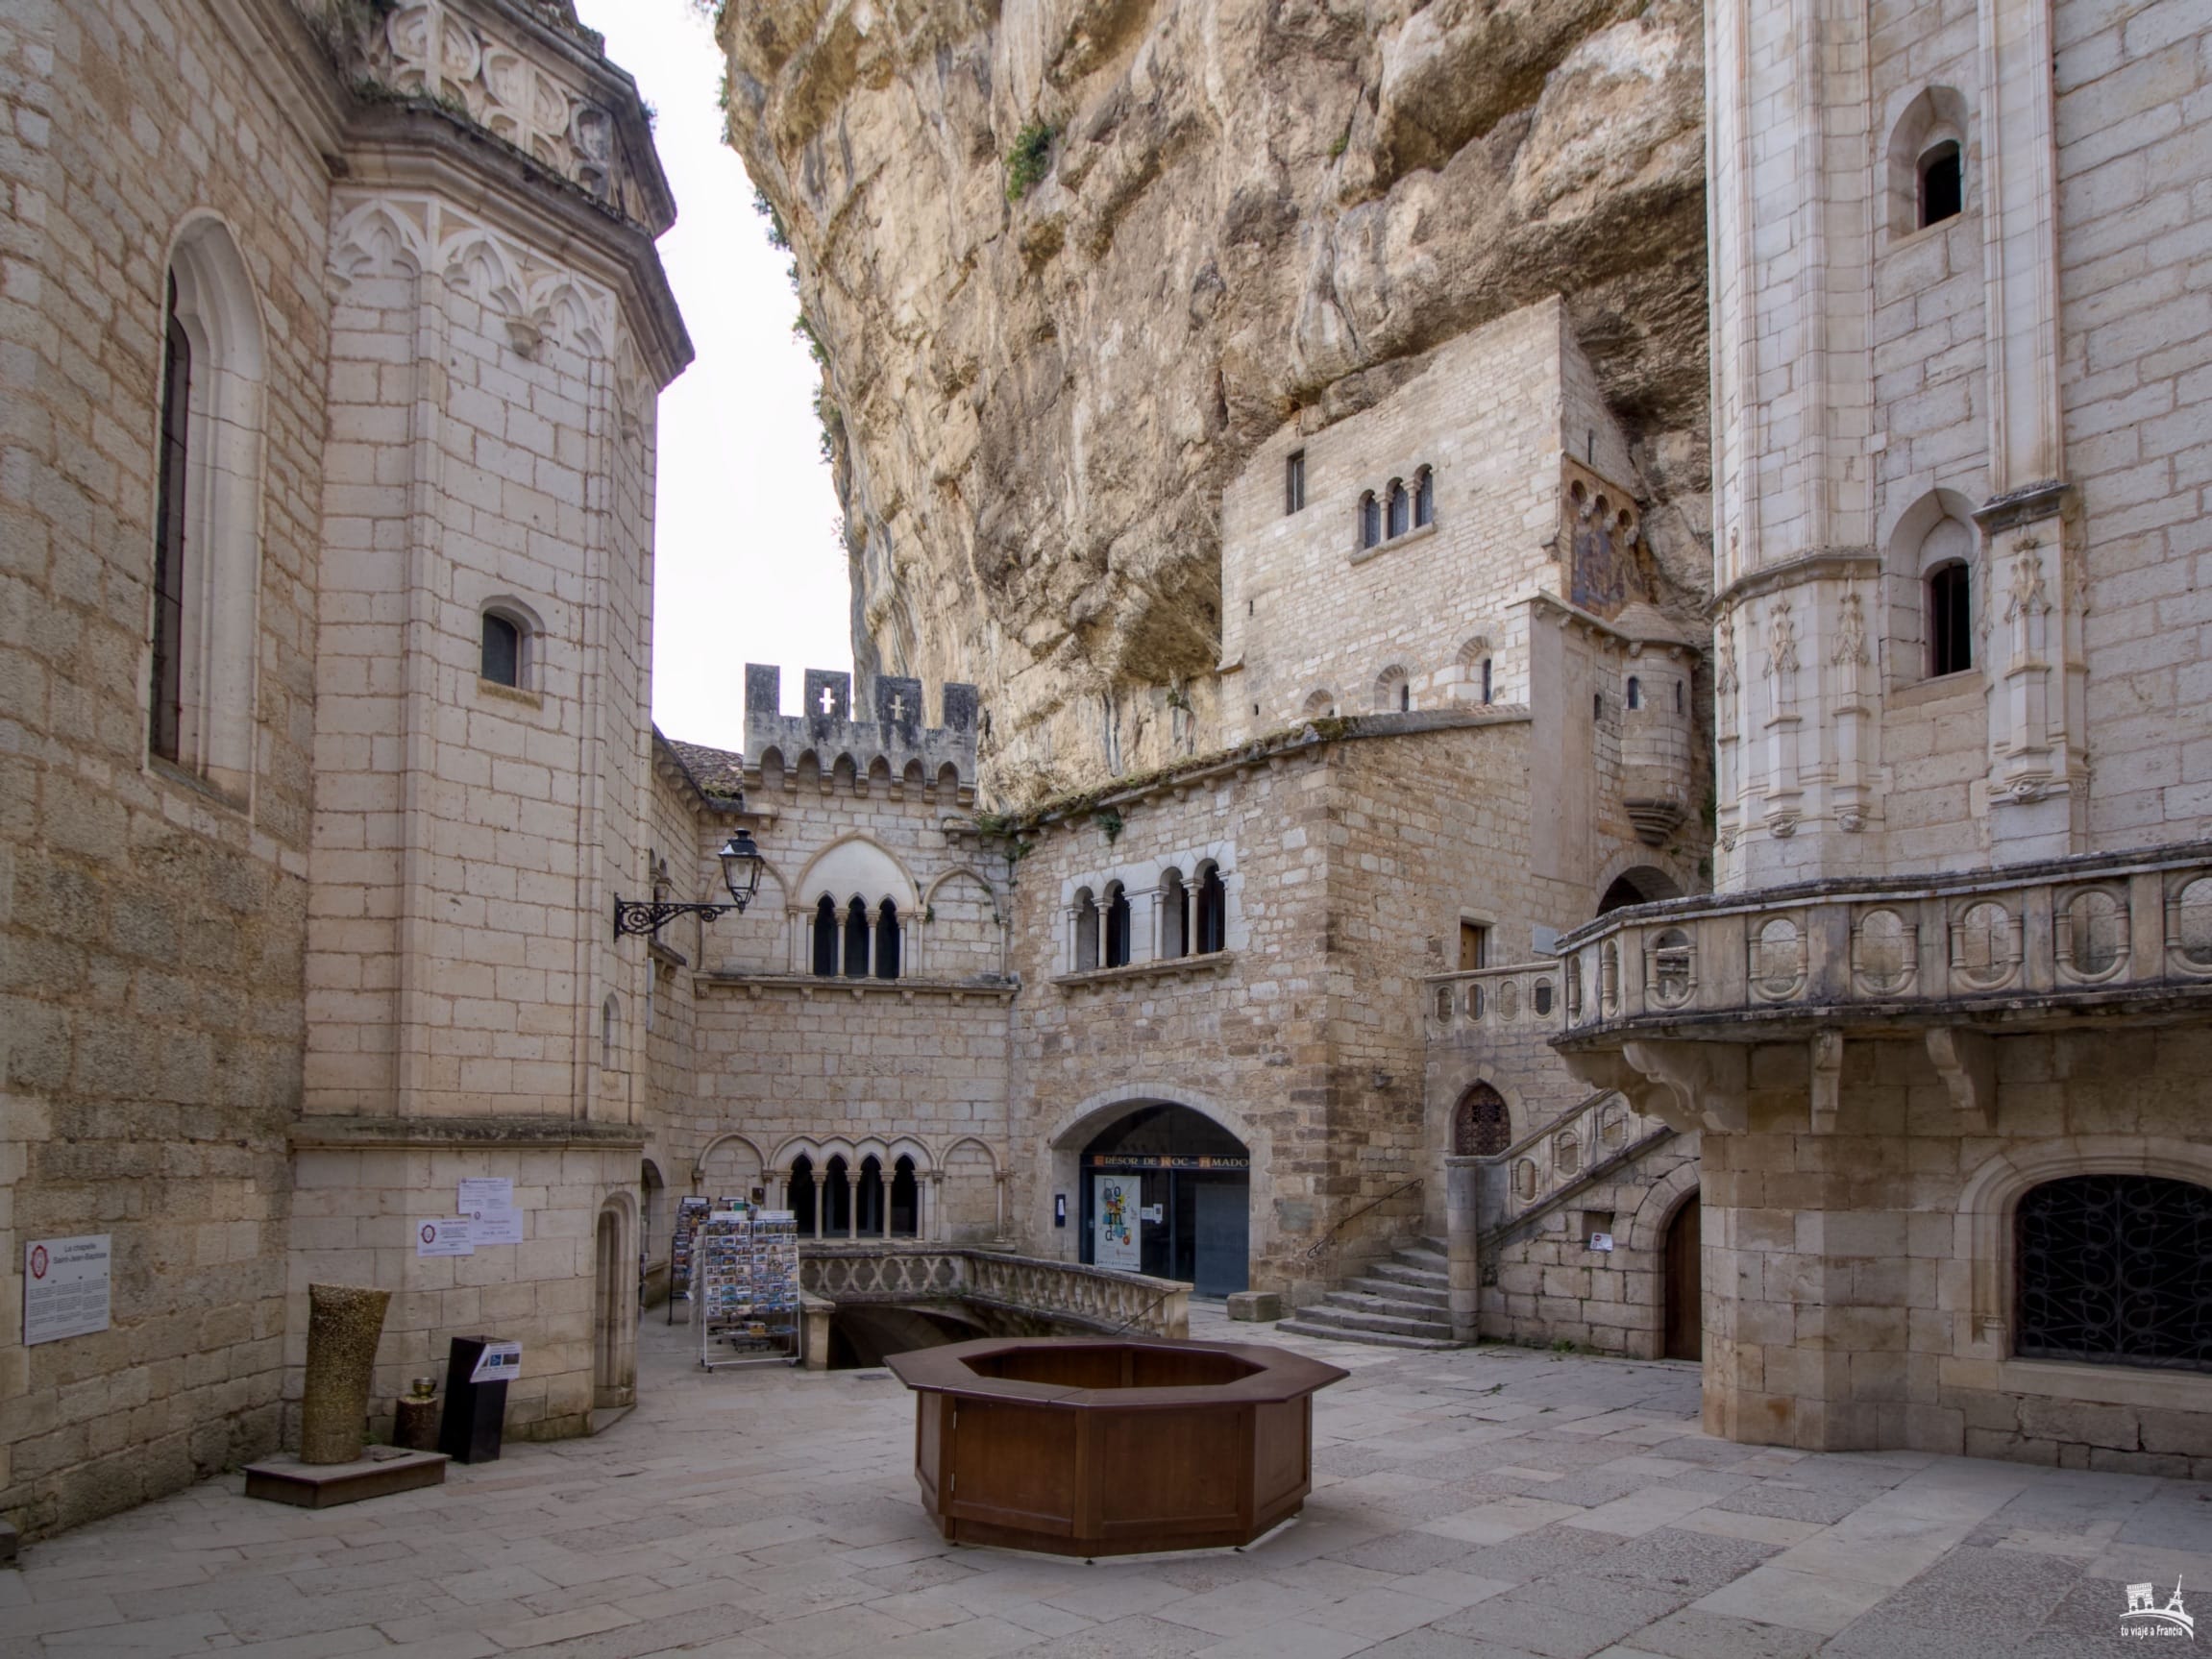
point(1462, 1186)
point(820, 1177)
point(344, 1322)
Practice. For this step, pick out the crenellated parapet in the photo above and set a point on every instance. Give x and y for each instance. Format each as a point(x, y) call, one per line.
point(894, 749)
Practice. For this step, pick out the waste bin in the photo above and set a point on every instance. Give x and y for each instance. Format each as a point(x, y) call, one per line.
point(469, 1432)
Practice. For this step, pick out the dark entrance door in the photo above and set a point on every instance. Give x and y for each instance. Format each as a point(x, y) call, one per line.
point(1685, 1293)
point(1186, 1183)
point(1223, 1264)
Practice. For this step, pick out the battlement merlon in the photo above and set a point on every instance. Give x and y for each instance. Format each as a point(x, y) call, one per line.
point(828, 731)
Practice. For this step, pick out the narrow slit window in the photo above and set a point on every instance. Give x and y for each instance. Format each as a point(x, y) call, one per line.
point(1635, 692)
point(1399, 507)
point(1371, 522)
point(1405, 697)
point(1487, 686)
point(1949, 619)
point(1942, 184)
point(1294, 483)
point(169, 529)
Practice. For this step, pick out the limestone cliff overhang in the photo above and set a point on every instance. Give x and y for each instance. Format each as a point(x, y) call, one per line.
point(1307, 740)
point(517, 1133)
point(2112, 937)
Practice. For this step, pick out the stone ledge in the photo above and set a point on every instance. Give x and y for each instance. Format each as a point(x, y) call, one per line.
point(2105, 1385)
point(808, 987)
point(1139, 972)
point(551, 1133)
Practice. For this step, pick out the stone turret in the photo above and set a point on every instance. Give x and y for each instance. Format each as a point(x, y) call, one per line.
point(894, 747)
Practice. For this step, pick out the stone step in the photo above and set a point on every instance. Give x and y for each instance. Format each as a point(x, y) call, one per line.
point(1397, 1290)
point(1396, 1273)
point(1388, 1307)
point(1334, 1311)
point(1302, 1326)
point(1421, 1256)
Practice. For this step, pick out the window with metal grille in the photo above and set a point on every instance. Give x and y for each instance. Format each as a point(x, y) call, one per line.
point(2114, 1270)
point(1481, 1127)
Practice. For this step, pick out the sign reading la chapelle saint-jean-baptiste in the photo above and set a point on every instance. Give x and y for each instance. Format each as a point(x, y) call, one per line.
point(66, 1283)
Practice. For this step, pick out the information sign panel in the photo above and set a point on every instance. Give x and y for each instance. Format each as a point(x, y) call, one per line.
point(66, 1284)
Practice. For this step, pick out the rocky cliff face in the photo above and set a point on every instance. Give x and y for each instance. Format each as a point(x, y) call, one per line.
point(1251, 211)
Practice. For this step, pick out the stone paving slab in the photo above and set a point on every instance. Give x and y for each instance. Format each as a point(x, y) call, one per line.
point(1486, 1503)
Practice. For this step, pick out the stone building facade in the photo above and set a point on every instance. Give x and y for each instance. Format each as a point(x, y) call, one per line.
point(334, 337)
point(1942, 1029)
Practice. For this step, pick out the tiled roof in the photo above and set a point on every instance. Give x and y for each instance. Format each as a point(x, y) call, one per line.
point(716, 771)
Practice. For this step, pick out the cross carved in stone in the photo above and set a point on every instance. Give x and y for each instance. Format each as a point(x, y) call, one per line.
point(897, 706)
point(828, 700)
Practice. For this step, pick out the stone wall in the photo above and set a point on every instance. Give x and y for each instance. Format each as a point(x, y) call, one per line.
point(151, 918)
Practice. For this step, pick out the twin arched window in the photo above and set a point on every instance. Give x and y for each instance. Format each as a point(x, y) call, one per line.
point(1192, 919)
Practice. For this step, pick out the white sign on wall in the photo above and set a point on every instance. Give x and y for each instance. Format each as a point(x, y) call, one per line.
point(499, 1362)
point(446, 1235)
point(486, 1195)
point(65, 1283)
point(1114, 1236)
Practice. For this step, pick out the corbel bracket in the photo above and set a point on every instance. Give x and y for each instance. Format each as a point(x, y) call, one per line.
point(1967, 1062)
point(1826, 1080)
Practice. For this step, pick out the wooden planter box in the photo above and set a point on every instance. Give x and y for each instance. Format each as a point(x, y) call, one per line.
point(1097, 1446)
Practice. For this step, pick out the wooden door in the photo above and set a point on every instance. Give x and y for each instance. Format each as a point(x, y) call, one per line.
point(1685, 1293)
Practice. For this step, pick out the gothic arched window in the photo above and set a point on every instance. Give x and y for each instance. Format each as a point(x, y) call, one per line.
point(1950, 618)
point(1116, 926)
point(856, 939)
point(905, 1200)
point(798, 1196)
point(825, 937)
point(1212, 911)
point(1481, 1127)
point(1424, 497)
point(2114, 1270)
point(887, 941)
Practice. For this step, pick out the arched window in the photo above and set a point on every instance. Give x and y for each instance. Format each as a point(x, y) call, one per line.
point(887, 942)
point(1950, 618)
point(1942, 184)
point(856, 939)
point(1318, 703)
point(501, 661)
point(207, 564)
point(1481, 1127)
point(1635, 692)
point(610, 1033)
point(1487, 682)
point(825, 937)
point(1393, 690)
point(1370, 520)
point(2114, 1270)
point(799, 1197)
point(1175, 915)
point(1211, 918)
point(1086, 931)
point(1424, 497)
point(1400, 506)
point(868, 1198)
point(837, 1199)
point(1116, 926)
point(905, 1200)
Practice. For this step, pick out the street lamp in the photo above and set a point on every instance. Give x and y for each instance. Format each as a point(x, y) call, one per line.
point(740, 862)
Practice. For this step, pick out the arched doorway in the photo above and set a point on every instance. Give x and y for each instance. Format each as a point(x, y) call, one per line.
point(1167, 1191)
point(1481, 1126)
point(1642, 885)
point(1685, 1287)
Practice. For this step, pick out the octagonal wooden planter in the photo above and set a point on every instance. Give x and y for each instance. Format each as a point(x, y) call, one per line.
point(1107, 1446)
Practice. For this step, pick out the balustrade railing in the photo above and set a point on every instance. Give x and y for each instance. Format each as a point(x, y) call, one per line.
point(1100, 1298)
point(1523, 995)
point(2072, 934)
point(1546, 1161)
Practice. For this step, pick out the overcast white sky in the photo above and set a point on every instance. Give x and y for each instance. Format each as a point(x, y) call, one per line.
point(749, 566)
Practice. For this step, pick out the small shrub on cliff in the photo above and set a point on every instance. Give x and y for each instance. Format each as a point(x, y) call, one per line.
point(1029, 160)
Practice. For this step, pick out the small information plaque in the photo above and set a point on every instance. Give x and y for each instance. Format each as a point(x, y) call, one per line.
point(66, 1284)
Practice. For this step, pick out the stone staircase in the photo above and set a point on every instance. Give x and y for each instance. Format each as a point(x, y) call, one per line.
point(1401, 1303)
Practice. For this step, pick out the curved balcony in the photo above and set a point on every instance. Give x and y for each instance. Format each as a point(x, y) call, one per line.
point(1650, 995)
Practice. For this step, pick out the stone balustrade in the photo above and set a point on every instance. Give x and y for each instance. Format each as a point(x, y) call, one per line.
point(1546, 1161)
point(2018, 946)
point(1520, 993)
point(1091, 1298)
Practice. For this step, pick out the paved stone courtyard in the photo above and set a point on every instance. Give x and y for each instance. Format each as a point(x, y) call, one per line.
point(1478, 1505)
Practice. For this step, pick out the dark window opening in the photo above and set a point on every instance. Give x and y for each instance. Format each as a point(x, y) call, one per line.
point(1424, 496)
point(2116, 1270)
point(800, 1198)
point(1370, 525)
point(1635, 692)
point(1949, 619)
point(837, 1199)
point(1212, 912)
point(1398, 508)
point(1294, 482)
point(887, 941)
point(1486, 679)
point(1942, 184)
point(905, 1201)
point(1597, 705)
point(1116, 927)
point(1678, 697)
point(868, 1200)
point(503, 652)
point(1405, 697)
point(856, 940)
point(826, 938)
point(167, 736)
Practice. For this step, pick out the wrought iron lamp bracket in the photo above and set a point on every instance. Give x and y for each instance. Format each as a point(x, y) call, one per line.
point(637, 916)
